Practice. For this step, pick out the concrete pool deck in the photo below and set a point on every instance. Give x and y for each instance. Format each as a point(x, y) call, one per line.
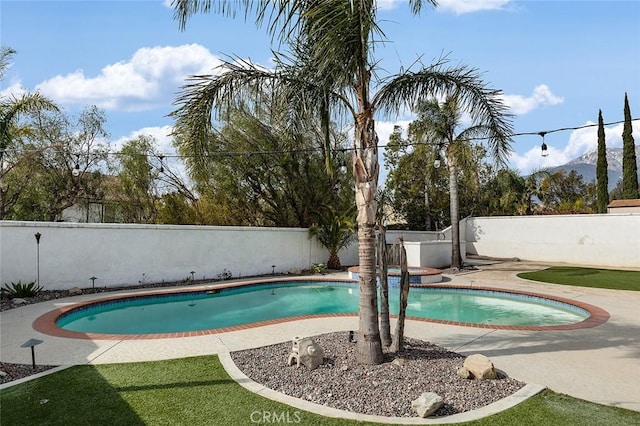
point(599, 364)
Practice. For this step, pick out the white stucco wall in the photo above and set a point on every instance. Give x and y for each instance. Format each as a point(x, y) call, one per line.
point(120, 254)
point(608, 240)
point(434, 254)
point(117, 254)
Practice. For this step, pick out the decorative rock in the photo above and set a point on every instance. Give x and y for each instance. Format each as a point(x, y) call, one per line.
point(295, 271)
point(19, 301)
point(464, 373)
point(480, 367)
point(426, 404)
point(310, 353)
point(398, 361)
point(75, 291)
point(306, 351)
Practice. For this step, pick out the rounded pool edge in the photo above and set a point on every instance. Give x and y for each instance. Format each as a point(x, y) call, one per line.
point(46, 323)
point(418, 275)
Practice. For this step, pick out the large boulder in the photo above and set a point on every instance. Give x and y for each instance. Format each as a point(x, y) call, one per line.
point(427, 404)
point(480, 367)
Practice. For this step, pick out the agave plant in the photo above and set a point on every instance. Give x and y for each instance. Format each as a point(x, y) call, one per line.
point(335, 230)
point(20, 290)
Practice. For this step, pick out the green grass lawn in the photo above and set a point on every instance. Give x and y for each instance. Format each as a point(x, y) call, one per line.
point(587, 277)
point(197, 391)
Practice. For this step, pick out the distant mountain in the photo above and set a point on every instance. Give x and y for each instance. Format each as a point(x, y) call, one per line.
point(585, 165)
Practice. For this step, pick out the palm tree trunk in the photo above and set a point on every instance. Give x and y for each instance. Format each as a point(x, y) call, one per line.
point(385, 325)
point(369, 346)
point(456, 258)
point(398, 338)
point(334, 261)
point(365, 173)
point(427, 208)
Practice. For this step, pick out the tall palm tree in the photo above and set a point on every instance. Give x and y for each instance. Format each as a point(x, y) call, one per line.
point(442, 124)
point(11, 109)
point(331, 71)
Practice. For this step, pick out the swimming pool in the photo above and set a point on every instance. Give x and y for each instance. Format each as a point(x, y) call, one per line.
point(223, 309)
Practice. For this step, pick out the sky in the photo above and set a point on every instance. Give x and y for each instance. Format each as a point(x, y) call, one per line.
point(557, 63)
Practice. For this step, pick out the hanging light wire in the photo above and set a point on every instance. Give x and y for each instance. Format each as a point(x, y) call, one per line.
point(303, 150)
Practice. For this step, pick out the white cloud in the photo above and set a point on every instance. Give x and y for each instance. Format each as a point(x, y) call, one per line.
point(151, 77)
point(541, 96)
point(460, 7)
point(164, 142)
point(14, 90)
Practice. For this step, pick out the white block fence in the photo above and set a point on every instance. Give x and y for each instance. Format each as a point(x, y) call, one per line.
point(127, 254)
point(604, 240)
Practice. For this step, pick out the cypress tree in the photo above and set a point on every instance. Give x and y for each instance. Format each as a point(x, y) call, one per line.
point(629, 165)
point(602, 179)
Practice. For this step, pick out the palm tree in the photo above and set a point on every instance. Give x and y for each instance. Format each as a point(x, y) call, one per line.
point(11, 109)
point(442, 124)
point(334, 229)
point(331, 71)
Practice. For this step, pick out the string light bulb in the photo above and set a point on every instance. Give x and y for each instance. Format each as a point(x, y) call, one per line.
point(76, 168)
point(544, 148)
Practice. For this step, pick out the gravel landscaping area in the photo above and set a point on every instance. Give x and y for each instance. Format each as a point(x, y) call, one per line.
point(19, 371)
point(386, 389)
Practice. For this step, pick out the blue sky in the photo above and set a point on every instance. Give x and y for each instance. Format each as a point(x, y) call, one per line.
point(557, 62)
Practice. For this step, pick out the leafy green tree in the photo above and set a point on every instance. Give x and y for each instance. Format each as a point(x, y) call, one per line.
point(67, 157)
point(15, 159)
point(417, 190)
point(175, 208)
point(137, 183)
point(331, 68)
point(629, 163)
point(258, 172)
point(567, 193)
point(507, 193)
point(602, 178)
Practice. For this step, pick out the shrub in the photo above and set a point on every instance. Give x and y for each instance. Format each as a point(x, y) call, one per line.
point(20, 290)
point(318, 268)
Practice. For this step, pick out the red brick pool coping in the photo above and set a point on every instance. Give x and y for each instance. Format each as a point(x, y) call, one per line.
point(46, 323)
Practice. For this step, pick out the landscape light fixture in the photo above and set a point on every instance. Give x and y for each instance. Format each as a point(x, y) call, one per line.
point(38, 235)
point(545, 153)
point(31, 343)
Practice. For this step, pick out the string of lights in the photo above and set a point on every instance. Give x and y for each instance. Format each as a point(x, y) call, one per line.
point(163, 156)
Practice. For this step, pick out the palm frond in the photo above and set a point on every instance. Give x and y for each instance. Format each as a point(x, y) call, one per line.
point(484, 105)
point(13, 107)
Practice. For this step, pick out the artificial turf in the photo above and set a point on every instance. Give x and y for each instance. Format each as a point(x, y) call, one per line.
point(198, 391)
point(587, 277)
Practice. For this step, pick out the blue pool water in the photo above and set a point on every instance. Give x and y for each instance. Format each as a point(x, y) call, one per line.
point(182, 312)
